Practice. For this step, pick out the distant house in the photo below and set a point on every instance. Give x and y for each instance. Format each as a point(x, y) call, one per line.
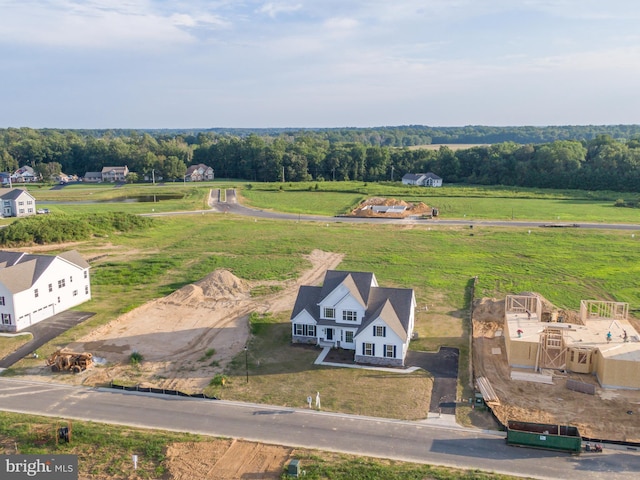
point(17, 203)
point(199, 173)
point(92, 177)
point(35, 287)
point(422, 179)
point(351, 311)
point(62, 178)
point(25, 174)
point(114, 174)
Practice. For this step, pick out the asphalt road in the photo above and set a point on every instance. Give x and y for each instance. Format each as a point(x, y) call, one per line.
point(401, 440)
point(232, 206)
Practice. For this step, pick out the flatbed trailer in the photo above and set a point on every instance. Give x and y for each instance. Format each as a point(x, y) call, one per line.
point(541, 435)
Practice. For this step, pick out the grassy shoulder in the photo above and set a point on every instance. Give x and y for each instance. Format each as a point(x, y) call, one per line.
point(105, 451)
point(10, 344)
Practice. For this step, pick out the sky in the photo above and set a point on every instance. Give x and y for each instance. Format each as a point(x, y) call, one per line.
point(318, 63)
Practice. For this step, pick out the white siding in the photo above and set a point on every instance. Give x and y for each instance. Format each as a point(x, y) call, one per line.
point(26, 309)
point(366, 336)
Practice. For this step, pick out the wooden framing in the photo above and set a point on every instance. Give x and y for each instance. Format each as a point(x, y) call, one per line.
point(599, 310)
point(552, 351)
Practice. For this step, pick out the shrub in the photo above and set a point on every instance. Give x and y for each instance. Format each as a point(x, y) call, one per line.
point(136, 358)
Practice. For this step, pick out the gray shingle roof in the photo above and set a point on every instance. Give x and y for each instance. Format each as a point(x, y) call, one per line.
point(14, 193)
point(393, 305)
point(19, 271)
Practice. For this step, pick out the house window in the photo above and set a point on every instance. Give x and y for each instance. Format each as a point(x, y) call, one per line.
point(390, 351)
point(31, 210)
point(61, 283)
point(582, 358)
point(75, 293)
point(36, 293)
point(368, 349)
point(20, 203)
point(349, 315)
point(86, 274)
point(6, 319)
point(29, 202)
point(86, 289)
point(70, 279)
point(329, 312)
point(1, 300)
point(348, 336)
point(303, 330)
point(379, 331)
point(22, 210)
point(51, 287)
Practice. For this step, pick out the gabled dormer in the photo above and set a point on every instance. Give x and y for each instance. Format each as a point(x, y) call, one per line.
point(345, 295)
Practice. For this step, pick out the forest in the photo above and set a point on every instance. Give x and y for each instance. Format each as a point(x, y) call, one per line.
point(596, 158)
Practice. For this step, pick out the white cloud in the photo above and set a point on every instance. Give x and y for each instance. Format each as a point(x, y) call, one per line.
point(98, 23)
point(273, 9)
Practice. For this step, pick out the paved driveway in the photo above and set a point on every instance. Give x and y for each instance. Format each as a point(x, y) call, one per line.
point(443, 365)
point(44, 332)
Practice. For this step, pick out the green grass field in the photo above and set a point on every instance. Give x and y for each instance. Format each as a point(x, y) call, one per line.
point(437, 261)
point(473, 203)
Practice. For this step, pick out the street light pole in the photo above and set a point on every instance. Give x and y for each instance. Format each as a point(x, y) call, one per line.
point(246, 361)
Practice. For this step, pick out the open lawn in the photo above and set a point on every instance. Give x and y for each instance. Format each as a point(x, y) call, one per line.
point(454, 202)
point(565, 266)
point(11, 344)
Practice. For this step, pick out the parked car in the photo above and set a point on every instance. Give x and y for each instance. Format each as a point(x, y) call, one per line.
point(42, 211)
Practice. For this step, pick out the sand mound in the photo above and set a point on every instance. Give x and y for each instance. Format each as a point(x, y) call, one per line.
point(218, 285)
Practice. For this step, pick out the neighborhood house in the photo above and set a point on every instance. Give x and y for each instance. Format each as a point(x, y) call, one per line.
point(17, 203)
point(351, 311)
point(114, 174)
point(198, 173)
point(422, 179)
point(36, 287)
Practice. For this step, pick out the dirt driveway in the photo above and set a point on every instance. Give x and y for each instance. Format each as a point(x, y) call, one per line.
point(190, 335)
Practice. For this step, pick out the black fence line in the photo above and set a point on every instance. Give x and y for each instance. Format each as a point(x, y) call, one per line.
point(160, 391)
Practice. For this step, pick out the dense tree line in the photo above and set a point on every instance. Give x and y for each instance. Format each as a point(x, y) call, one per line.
point(602, 162)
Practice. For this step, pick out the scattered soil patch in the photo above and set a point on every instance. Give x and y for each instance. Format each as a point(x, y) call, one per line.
point(225, 460)
point(603, 415)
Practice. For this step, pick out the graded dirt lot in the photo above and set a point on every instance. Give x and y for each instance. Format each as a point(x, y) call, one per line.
point(366, 208)
point(603, 415)
point(190, 335)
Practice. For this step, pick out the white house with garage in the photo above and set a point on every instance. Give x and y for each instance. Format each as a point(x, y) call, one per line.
point(422, 179)
point(351, 311)
point(36, 287)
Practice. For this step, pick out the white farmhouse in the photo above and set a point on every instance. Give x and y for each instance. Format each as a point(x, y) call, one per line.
point(351, 311)
point(17, 203)
point(422, 179)
point(36, 287)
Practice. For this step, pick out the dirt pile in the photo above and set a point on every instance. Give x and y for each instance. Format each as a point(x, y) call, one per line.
point(488, 310)
point(218, 285)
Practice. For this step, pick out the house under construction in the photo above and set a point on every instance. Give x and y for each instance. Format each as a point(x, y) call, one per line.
point(605, 345)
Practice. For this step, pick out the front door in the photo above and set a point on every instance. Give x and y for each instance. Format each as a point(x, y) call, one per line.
point(329, 333)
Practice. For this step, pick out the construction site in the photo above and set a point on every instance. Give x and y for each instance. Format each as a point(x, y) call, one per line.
point(379, 207)
point(535, 363)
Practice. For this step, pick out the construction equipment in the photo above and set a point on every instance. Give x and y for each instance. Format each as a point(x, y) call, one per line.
point(63, 360)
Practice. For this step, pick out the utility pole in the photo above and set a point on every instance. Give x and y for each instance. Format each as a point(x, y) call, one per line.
point(153, 176)
point(283, 174)
point(392, 168)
